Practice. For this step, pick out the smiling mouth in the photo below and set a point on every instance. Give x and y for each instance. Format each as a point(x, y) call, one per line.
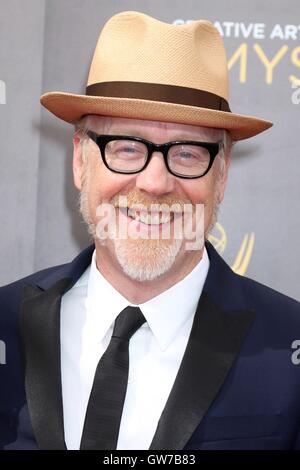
point(148, 217)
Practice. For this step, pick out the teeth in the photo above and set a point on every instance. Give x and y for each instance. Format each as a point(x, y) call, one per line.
point(148, 218)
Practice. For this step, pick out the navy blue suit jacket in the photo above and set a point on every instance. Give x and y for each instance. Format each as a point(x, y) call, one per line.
point(237, 387)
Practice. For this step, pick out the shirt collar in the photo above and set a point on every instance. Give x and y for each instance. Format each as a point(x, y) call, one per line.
point(165, 313)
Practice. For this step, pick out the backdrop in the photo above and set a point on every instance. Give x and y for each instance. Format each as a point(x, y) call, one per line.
point(47, 45)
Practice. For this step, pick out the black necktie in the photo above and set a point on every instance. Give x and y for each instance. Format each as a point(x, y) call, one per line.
point(104, 411)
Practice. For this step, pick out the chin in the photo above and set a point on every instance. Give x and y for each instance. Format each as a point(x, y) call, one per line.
point(146, 260)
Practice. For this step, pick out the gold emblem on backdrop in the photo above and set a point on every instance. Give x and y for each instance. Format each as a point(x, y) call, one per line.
point(219, 240)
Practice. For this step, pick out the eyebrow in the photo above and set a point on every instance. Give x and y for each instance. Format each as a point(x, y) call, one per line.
point(141, 135)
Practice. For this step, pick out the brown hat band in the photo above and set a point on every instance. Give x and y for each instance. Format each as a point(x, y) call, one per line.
point(158, 92)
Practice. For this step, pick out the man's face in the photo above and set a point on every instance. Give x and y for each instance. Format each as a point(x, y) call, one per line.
point(145, 258)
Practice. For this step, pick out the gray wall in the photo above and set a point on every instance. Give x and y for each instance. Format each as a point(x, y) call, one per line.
point(21, 69)
point(47, 45)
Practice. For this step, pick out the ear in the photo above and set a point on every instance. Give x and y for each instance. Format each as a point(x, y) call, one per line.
point(77, 161)
point(223, 178)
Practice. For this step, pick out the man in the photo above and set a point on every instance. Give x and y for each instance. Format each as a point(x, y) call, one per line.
point(149, 340)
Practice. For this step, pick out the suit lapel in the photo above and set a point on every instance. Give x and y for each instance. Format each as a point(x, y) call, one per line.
point(40, 329)
point(220, 325)
point(40, 333)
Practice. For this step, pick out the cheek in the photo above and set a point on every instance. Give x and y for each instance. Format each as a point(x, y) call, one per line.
point(104, 184)
point(203, 192)
point(200, 191)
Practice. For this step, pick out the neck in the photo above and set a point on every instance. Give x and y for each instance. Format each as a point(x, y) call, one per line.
point(138, 292)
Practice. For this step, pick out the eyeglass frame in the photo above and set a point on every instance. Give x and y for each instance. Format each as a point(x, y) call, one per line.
point(103, 139)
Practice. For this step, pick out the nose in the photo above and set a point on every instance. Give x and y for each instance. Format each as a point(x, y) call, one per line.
point(155, 178)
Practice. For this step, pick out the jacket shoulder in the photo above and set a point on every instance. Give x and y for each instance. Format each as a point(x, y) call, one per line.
point(10, 294)
point(274, 305)
point(264, 292)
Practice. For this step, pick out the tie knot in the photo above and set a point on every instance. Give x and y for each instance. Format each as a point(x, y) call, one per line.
point(128, 322)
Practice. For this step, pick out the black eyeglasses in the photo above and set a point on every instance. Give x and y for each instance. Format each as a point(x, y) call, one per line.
point(183, 158)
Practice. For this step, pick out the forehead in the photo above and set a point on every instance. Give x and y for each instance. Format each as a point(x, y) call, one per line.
point(146, 128)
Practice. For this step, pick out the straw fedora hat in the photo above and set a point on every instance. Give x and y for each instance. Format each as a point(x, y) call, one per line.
point(146, 69)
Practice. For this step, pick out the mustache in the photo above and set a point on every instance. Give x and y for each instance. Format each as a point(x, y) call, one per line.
point(134, 199)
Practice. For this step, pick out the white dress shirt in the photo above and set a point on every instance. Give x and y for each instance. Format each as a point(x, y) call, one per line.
point(88, 312)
